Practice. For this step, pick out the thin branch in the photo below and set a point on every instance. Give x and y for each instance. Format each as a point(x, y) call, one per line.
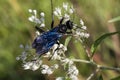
point(93, 74)
point(97, 65)
point(79, 60)
point(108, 68)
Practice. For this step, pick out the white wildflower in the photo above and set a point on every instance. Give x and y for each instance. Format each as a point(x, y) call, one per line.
point(57, 11)
point(35, 12)
point(33, 65)
point(37, 33)
point(21, 46)
point(47, 54)
point(49, 71)
point(42, 14)
point(45, 66)
point(87, 35)
point(67, 17)
point(84, 27)
point(30, 10)
point(56, 66)
point(65, 6)
point(65, 61)
point(42, 25)
point(56, 56)
point(17, 58)
point(32, 18)
point(59, 78)
point(27, 65)
point(44, 71)
point(73, 72)
point(81, 22)
point(73, 77)
point(71, 11)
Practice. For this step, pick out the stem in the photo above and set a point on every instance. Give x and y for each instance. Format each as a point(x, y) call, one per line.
point(97, 65)
point(84, 61)
point(93, 74)
point(108, 68)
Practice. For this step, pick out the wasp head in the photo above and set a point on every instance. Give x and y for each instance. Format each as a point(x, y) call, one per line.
point(69, 24)
point(63, 27)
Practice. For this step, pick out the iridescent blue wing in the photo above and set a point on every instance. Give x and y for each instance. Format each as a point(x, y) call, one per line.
point(44, 42)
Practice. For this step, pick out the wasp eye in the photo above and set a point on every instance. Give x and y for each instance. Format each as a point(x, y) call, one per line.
point(69, 24)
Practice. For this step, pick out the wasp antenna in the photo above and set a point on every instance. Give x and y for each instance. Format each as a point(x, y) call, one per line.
point(52, 24)
point(61, 20)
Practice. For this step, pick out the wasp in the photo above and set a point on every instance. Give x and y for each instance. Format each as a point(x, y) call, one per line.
point(43, 43)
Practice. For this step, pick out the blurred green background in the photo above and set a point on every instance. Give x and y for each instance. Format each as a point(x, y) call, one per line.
point(15, 29)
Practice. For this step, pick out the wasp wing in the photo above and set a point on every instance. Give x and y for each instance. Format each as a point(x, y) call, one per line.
point(44, 42)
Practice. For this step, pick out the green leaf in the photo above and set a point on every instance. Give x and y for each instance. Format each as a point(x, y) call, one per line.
point(100, 77)
point(67, 40)
point(115, 19)
point(99, 40)
point(116, 78)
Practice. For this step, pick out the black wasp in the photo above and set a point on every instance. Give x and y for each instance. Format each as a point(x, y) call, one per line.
point(44, 42)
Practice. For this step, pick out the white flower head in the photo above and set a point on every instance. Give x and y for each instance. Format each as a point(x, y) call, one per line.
point(73, 72)
point(59, 78)
point(44, 71)
point(65, 11)
point(34, 18)
point(42, 25)
point(30, 10)
point(49, 71)
point(65, 6)
point(35, 12)
point(73, 77)
point(37, 33)
point(56, 66)
point(21, 46)
point(17, 58)
point(42, 14)
point(33, 65)
point(58, 10)
point(84, 27)
point(81, 22)
point(71, 11)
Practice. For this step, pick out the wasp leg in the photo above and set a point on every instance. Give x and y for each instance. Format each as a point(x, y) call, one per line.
point(69, 32)
point(52, 24)
point(55, 50)
point(40, 30)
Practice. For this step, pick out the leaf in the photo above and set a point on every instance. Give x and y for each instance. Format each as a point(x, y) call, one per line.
point(116, 78)
point(115, 19)
point(100, 77)
point(67, 40)
point(99, 40)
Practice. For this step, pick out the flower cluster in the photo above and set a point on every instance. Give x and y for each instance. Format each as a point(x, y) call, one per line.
point(35, 19)
point(81, 32)
point(57, 52)
point(33, 65)
point(72, 71)
point(65, 11)
point(45, 69)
